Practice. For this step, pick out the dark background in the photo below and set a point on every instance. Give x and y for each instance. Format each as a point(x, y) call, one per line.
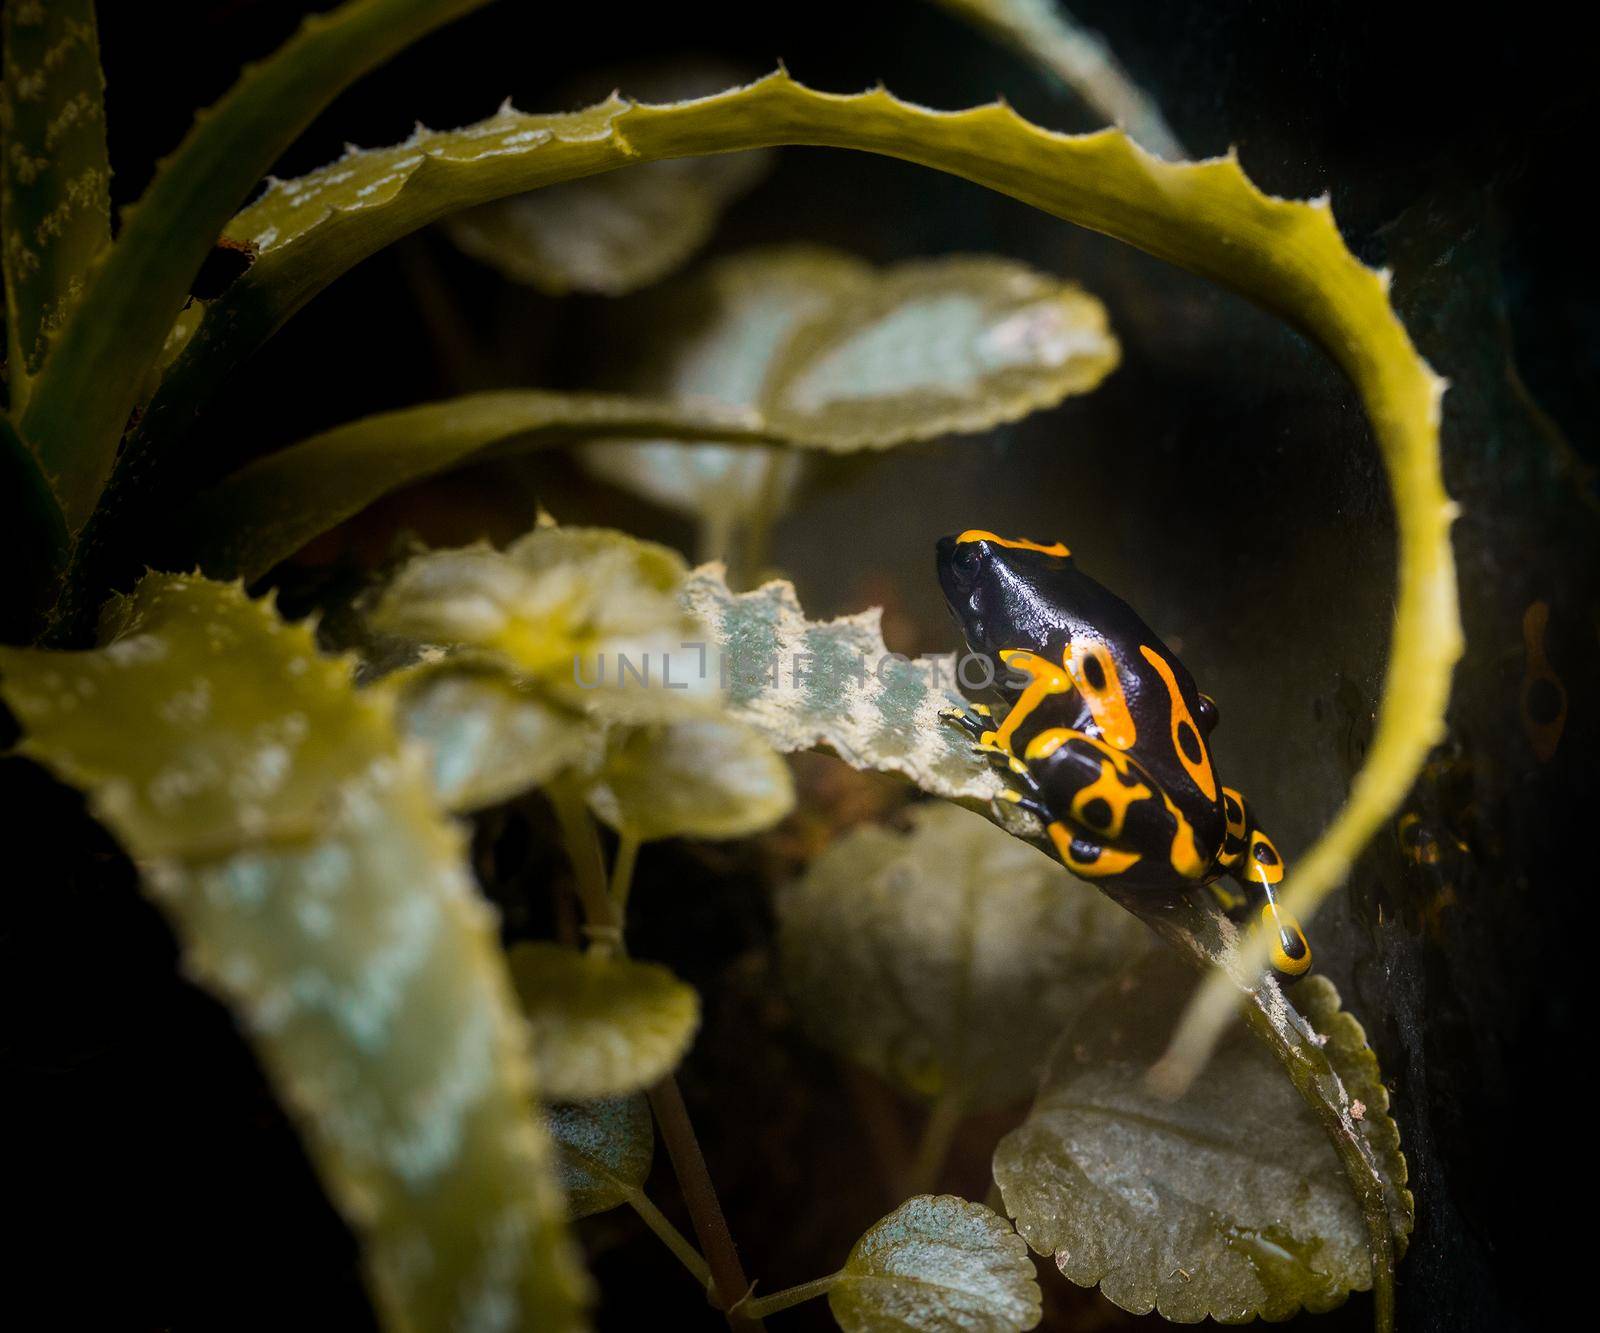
point(1223, 480)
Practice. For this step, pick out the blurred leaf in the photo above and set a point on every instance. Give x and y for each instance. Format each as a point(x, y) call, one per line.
point(1047, 34)
point(317, 890)
point(603, 1151)
point(589, 617)
point(750, 305)
point(269, 509)
point(934, 1265)
point(602, 1026)
point(948, 959)
point(805, 683)
point(608, 234)
point(696, 778)
point(928, 348)
point(1228, 1203)
point(847, 357)
point(81, 399)
point(488, 737)
point(54, 178)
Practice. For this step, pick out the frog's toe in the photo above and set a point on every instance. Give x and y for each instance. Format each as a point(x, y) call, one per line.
point(1291, 951)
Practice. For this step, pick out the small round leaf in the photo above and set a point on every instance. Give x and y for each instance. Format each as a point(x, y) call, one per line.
point(603, 1151)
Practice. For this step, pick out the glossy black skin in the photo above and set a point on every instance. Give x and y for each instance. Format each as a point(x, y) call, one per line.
point(1005, 597)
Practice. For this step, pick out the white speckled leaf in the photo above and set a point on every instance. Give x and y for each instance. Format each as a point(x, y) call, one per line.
point(488, 738)
point(603, 1151)
point(1229, 1202)
point(602, 1026)
point(749, 305)
point(937, 1264)
point(948, 959)
point(706, 777)
point(932, 347)
point(563, 609)
point(608, 234)
point(317, 890)
point(804, 684)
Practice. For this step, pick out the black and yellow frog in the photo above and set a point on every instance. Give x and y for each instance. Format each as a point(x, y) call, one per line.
point(1103, 732)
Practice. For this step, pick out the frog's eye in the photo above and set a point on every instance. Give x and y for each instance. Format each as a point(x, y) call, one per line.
point(967, 560)
point(1209, 716)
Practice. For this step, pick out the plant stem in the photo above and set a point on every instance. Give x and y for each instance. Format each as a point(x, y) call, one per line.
point(782, 1300)
point(582, 841)
point(700, 1195)
point(671, 1237)
point(622, 875)
point(934, 1145)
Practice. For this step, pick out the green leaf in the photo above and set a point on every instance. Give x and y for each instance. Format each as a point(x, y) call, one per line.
point(947, 959)
point(268, 510)
point(1044, 32)
point(1228, 1202)
point(608, 234)
point(488, 738)
point(81, 401)
point(1205, 216)
point(603, 1151)
point(693, 778)
point(588, 617)
point(748, 306)
point(803, 684)
point(836, 354)
point(54, 180)
point(316, 889)
point(934, 1265)
point(602, 1026)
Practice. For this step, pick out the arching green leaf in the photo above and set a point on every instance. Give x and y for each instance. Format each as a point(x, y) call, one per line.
point(602, 1026)
point(317, 890)
point(1228, 1202)
point(934, 1265)
point(950, 958)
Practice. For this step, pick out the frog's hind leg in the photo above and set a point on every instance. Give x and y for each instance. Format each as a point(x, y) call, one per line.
point(1253, 860)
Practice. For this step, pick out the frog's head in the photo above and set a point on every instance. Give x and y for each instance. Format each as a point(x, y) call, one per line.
point(1003, 591)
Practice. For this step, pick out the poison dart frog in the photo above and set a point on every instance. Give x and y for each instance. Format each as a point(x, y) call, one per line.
point(1103, 735)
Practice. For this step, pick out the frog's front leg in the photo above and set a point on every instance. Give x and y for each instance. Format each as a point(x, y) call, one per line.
point(1251, 858)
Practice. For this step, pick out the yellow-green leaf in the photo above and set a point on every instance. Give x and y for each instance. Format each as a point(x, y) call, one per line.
point(55, 205)
point(602, 1026)
point(603, 1151)
point(803, 684)
point(950, 958)
point(292, 842)
point(1228, 1202)
point(608, 234)
point(705, 777)
point(934, 1265)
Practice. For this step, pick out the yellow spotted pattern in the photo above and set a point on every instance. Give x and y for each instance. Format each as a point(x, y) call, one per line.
point(1108, 704)
point(1201, 772)
point(1015, 543)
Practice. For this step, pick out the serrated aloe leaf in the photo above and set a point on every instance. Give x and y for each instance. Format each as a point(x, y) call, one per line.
point(1044, 32)
point(608, 234)
point(603, 1151)
point(1228, 1202)
point(488, 737)
point(947, 959)
point(590, 618)
point(750, 306)
point(602, 1026)
point(708, 777)
point(318, 891)
point(80, 402)
point(934, 347)
point(936, 1264)
point(55, 204)
point(266, 511)
point(1205, 216)
point(804, 684)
